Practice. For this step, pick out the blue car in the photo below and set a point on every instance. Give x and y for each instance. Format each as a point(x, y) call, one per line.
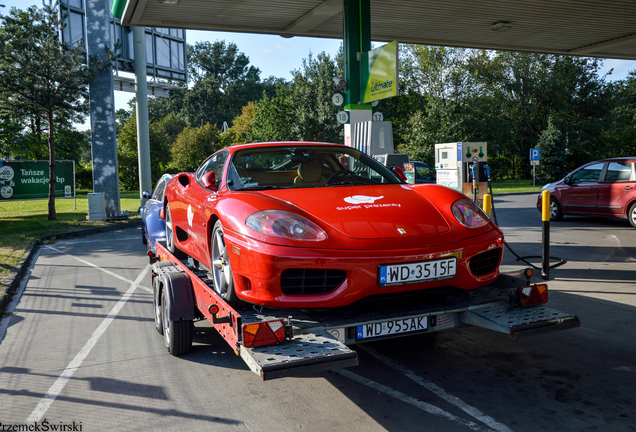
point(153, 228)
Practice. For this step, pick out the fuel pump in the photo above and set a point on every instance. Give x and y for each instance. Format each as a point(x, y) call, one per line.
point(462, 166)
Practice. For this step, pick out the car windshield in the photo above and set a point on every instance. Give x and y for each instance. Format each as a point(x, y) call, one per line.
point(296, 166)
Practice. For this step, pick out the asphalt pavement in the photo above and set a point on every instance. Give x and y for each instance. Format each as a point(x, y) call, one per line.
point(79, 352)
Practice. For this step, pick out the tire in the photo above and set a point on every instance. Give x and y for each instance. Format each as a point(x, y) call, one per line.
point(177, 335)
point(158, 310)
point(631, 214)
point(222, 270)
point(174, 250)
point(144, 240)
point(556, 214)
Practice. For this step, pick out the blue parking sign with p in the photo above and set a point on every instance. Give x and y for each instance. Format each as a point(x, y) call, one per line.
point(534, 154)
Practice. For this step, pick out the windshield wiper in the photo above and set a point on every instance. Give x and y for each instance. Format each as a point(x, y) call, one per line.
point(349, 183)
point(259, 187)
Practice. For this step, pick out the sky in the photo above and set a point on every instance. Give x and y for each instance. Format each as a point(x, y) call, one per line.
point(278, 56)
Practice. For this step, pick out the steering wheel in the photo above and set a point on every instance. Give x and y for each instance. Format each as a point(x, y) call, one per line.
point(338, 174)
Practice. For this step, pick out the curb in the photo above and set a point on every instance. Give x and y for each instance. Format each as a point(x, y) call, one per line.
point(9, 284)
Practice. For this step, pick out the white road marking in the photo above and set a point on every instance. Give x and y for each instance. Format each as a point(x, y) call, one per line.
point(108, 272)
point(72, 367)
point(71, 241)
point(431, 409)
point(437, 390)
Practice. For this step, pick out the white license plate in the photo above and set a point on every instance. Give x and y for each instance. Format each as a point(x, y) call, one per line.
point(401, 274)
point(392, 327)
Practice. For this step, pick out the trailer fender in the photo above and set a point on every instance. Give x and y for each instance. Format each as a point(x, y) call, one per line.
point(180, 295)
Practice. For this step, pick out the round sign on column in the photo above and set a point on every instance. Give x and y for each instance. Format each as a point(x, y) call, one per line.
point(377, 116)
point(337, 99)
point(343, 117)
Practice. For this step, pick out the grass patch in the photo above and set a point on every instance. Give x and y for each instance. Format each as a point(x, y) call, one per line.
point(23, 222)
point(514, 186)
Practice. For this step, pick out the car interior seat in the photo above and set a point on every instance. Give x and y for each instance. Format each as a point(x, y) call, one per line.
point(310, 174)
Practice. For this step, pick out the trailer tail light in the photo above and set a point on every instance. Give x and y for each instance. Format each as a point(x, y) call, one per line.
point(532, 295)
point(264, 333)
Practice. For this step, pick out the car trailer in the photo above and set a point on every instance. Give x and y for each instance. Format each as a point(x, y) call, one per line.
point(292, 342)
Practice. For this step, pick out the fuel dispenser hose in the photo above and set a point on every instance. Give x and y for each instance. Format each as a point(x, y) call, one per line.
point(559, 261)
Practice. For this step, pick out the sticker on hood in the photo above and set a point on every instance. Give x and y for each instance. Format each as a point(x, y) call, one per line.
point(362, 199)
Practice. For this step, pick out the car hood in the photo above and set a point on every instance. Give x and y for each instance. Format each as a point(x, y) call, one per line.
point(370, 212)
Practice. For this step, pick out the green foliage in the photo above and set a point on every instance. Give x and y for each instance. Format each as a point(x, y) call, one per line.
point(553, 165)
point(162, 135)
point(41, 81)
point(194, 145)
point(300, 111)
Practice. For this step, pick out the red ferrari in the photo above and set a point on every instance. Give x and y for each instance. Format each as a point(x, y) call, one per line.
point(316, 225)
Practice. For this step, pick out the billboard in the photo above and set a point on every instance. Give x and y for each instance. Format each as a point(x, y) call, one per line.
point(165, 48)
point(30, 179)
point(380, 76)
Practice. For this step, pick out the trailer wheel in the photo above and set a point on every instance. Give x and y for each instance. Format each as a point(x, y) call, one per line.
point(176, 334)
point(222, 270)
point(158, 310)
point(174, 250)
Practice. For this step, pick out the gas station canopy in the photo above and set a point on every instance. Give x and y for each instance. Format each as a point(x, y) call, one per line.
point(594, 28)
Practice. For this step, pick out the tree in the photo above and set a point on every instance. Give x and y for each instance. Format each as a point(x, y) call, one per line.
point(553, 165)
point(301, 110)
point(162, 135)
point(194, 145)
point(39, 75)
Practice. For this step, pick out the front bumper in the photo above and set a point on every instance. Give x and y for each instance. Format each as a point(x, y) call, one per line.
point(258, 266)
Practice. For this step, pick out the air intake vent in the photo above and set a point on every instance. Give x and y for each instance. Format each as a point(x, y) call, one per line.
point(310, 281)
point(485, 262)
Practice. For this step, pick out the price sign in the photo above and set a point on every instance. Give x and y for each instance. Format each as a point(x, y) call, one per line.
point(377, 116)
point(342, 117)
point(337, 99)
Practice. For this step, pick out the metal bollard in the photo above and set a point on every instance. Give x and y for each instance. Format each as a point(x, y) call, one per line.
point(545, 240)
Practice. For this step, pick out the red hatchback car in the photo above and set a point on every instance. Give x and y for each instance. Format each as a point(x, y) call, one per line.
point(318, 225)
point(599, 188)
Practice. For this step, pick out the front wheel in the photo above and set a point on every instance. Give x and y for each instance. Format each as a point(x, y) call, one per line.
point(631, 214)
point(221, 268)
point(556, 214)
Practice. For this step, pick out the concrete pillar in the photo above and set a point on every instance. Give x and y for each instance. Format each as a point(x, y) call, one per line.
point(102, 108)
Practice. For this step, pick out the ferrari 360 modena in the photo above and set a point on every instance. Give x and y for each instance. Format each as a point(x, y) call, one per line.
point(317, 225)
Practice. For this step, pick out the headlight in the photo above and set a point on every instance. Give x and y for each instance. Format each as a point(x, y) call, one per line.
point(282, 224)
point(469, 214)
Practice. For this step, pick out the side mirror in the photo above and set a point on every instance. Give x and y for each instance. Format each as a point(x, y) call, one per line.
point(146, 195)
point(567, 180)
point(209, 181)
point(398, 172)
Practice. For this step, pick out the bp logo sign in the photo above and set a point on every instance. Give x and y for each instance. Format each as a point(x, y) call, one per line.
point(30, 179)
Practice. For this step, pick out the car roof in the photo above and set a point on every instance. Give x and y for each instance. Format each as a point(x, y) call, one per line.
point(283, 143)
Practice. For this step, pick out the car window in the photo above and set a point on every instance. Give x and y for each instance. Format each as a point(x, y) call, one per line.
point(157, 195)
point(296, 166)
point(589, 174)
point(618, 171)
point(214, 163)
point(424, 172)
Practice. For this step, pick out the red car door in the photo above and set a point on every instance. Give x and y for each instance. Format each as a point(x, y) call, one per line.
point(617, 189)
point(581, 197)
